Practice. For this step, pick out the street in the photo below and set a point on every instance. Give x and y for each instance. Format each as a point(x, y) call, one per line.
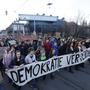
point(64, 80)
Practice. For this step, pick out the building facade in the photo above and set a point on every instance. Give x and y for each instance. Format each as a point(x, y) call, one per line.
point(37, 23)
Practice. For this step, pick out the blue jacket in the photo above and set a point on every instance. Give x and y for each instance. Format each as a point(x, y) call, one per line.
point(55, 45)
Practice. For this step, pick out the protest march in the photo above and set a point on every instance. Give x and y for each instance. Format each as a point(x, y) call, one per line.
point(26, 61)
point(45, 45)
point(28, 72)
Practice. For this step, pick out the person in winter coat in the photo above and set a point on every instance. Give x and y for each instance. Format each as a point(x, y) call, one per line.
point(70, 50)
point(30, 58)
point(77, 48)
point(35, 45)
point(8, 56)
point(17, 61)
point(48, 48)
point(55, 47)
point(23, 48)
point(87, 44)
point(83, 47)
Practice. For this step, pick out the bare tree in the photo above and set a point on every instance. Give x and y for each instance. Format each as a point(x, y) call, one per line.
point(80, 22)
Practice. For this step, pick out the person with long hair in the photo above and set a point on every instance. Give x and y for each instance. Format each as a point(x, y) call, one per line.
point(70, 50)
point(77, 48)
point(16, 62)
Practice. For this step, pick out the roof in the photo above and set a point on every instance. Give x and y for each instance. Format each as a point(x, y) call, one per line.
point(28, 17)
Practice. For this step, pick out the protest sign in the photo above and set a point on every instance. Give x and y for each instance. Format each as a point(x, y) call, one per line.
point(22, 75)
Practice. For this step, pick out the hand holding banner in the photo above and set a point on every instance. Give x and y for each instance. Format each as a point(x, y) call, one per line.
point(22, 75)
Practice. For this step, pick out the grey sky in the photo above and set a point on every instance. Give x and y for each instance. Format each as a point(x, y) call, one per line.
point(62, 8)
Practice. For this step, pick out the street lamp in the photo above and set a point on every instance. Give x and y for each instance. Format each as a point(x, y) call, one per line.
point(34, 32)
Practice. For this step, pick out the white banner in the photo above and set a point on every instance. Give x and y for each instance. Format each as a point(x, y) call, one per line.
point(22, 75)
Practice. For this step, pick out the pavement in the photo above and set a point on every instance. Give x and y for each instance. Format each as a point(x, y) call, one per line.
point(64, 80)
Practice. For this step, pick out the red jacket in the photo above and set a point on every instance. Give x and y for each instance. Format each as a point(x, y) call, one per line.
point(47, 47)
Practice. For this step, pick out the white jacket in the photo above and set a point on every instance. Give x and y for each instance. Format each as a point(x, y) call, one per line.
point(30, 59)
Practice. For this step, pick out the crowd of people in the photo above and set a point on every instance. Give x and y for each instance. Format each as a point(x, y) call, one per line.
point(27, 52)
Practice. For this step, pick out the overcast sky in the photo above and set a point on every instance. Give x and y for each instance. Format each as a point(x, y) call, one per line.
point(69, 9)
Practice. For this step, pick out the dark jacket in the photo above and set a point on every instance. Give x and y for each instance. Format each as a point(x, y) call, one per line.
point(62, 49)
point(69, 50)
point(87, 44)
point(76, 50)
point(15, 62)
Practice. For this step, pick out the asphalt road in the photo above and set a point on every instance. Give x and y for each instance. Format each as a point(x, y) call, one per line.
point(64, 80)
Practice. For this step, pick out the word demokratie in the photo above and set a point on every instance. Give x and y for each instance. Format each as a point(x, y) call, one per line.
point(22, 75)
